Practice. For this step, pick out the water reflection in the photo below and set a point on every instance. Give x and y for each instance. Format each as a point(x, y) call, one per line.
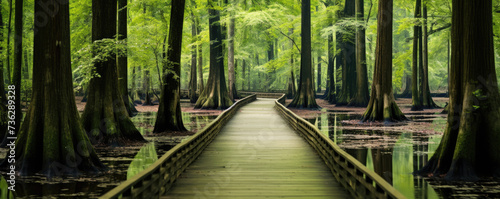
point(144, 158)
point(145, 121)
point(394, 156)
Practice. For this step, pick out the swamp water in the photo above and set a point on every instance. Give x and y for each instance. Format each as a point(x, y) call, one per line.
point(122, 162)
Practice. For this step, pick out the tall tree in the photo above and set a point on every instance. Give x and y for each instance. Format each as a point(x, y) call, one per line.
point(427, 101)
point(305, 97)
point(200, 60)
point(169, 117)
point(215, 95)
point(105, 117)
point(348, 46)
point(3, 98)
point(318, 76)
point(18, 59)
point(416, 102)
point(230, 56)
point(361, 97)
point(469, 148)
point(330, 94)
point(382, 106)
point(122, 59)
point(192, 79)
point(9, 33)
point(52, 139)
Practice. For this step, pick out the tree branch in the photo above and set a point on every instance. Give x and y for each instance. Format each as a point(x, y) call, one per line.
point(291, 40)
point(432, 31)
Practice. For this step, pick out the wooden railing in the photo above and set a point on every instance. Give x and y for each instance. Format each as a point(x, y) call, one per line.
point(352, 174)
point(158, 178)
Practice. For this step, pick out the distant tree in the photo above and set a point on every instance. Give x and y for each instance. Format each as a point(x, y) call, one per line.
point(169, 117)
point(52, 137)
point(427, 101)
point(416, 101)
point(330, 94)
point(215, 94)
point(193, 76)
point(469, 148)
point(305, 97)
point(382, 106)
point(105, 117)
point(230, 63)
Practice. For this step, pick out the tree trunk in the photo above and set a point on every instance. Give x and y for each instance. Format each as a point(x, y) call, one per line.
point(349, 58)
point(18, 59)
point(169, 117)
point(361, 97)
point(416, 104)
point(330, 94)
point(146, 87)
point(122, 60)
point(215, 95)
point(305, 97)
point(3, 98)
point(200, 62)
point(230, 63)
point(105, 117)
point(192, 80)
point(382, 106)
point(243, 75)
point(292, 90)
point(9, 33)
point(318, 76)
point(469, 147)
point(427, 101)
point(53, 139)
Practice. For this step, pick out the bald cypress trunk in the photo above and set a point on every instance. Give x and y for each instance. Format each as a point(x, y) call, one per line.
point(427, 101)
point(105, 117)
point(361, 97)
point(215, 95)
point(230, 63)
point(349, 57)
point(169, 117)
point(200, 61)
point(53, 138)
point(382, 106)
point(122, 60)
point(330, 94)
point(18, 59)
point(3, 98)
point(305, 97)
point(469, 148)
point(416, 103)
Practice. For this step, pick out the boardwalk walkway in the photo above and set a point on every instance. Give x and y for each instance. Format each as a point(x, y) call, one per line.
point(257, 155)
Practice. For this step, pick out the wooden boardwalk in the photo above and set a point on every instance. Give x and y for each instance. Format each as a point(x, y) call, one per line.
point(257, 155)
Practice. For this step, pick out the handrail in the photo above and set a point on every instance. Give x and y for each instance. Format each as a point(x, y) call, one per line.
point(158, 178)
point(352, 174)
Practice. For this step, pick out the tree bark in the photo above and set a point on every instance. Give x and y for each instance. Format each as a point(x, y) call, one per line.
point(105, 117)
point(318, 76)
point(330, 94)
point(382, 106)
point(361, 97)
point(53, 140)
point(469, 147)
point(305, 97)
point(215, 95)
point(169, 117)
point(200, 61)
